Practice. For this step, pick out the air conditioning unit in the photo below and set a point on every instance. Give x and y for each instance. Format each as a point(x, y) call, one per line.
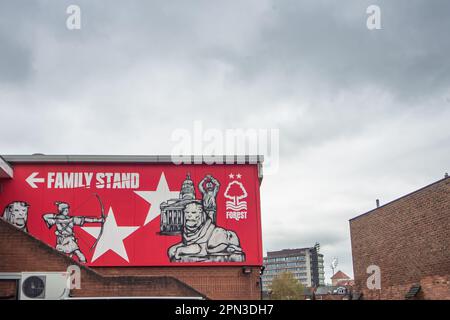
point(44, 285)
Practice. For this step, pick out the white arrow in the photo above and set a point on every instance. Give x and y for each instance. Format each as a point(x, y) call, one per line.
point(32, 180)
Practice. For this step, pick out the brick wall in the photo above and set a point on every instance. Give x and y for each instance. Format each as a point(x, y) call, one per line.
point(8, 289)
point(21, 252)
point(431, 288)
point(409, 239)
point(214, 282)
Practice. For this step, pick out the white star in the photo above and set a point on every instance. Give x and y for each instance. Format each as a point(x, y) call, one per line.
point(155, 198)
point(238, 175)
point(231, 176)
point(112, 237)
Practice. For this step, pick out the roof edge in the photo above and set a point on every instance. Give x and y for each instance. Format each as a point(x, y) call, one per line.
point(186, 159)
point(5, 169)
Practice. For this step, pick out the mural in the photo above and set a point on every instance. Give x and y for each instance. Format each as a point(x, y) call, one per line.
point(16, 213)
point(66, 241)
point(172, 210)
point(209, 187)
point(157, 215)
point(202, 240)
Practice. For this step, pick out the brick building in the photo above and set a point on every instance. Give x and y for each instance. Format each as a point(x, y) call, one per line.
point(27, 251)
point(341, 279)
point(409, 240)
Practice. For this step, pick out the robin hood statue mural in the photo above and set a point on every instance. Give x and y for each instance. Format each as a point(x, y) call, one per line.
point(201, 239)
point(209, 187)
point(66, 241)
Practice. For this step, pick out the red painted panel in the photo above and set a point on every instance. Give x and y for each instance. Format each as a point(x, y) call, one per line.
point(147, 223)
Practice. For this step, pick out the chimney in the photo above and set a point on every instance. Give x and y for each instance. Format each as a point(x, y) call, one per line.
point(378, 203)
point(446, 175)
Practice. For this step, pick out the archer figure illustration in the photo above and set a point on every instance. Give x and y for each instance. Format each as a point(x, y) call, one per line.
point(66, 241)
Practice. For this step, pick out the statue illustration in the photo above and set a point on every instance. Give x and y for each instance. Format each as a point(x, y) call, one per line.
point(203, 241)
point(16, 213)
point(209, 187)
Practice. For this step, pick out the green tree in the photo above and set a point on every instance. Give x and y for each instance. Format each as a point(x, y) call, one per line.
point(286, 287)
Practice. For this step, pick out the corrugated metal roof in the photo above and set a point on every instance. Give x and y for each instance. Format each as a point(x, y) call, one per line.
point(41, 158)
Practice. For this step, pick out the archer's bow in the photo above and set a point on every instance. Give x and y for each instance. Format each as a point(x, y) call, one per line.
point(104, 220)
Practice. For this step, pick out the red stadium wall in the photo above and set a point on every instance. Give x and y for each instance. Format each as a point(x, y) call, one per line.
point(199, 224)
point(142, 208)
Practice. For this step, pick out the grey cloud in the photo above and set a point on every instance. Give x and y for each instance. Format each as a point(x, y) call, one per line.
point(278, 239)
point(15, 61)
point(326, 46)
point(16, 56)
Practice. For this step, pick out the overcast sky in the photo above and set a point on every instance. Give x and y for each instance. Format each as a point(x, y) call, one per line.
point(362, 114)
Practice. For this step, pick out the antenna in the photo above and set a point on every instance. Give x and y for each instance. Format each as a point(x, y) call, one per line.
point(317, 247)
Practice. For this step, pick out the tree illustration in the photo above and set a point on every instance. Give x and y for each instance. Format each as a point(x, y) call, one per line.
point(235, 191)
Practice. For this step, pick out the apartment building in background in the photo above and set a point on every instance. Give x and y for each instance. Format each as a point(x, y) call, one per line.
point(305, 263)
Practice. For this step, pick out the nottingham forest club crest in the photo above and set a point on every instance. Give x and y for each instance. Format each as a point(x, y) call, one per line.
point(236, 206)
